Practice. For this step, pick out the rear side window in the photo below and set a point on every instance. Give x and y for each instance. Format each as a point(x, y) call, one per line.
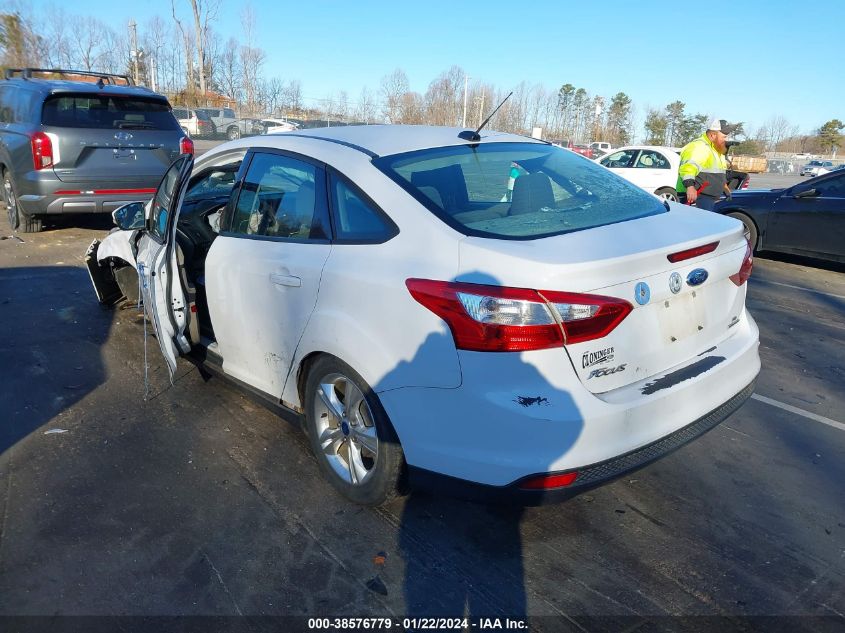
point(356, 219)
point(517, 190)
point(115, 112)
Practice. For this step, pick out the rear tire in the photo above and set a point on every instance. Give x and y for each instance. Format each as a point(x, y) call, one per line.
point(667, 193)
point(17, 219)
point(750, 228)
point(351, 436)
point(10, 201)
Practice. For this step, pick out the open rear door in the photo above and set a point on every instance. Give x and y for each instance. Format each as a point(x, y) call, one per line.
point(158, 272)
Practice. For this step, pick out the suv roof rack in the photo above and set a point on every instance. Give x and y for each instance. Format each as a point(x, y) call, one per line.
point(104, 78)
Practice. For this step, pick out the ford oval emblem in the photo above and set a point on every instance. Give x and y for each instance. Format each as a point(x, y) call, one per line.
point(675, 283)
point(697, 277)
point(642, 293)
point(123, 136)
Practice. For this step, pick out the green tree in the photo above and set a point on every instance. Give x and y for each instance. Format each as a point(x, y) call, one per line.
point(619, 119)
point(655, 127)
point(674, 122)
point(749, 147)
point(829, 135)
point(564, 104)
point(581, 111)
point(689, 128)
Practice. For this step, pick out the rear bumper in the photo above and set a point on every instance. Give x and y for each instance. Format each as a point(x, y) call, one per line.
point(590, 476)
point(516, 416)
point(37, 194)
point(55, 205)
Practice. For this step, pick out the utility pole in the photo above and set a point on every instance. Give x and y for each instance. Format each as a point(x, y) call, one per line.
point(153, 74)
point(133, 53)
point(466, 85)
point(481, 109)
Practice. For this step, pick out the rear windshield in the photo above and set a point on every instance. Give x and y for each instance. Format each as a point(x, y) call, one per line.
point(108, 111)
point(517, 190)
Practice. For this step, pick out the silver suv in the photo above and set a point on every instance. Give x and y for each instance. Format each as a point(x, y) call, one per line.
point(82, 143)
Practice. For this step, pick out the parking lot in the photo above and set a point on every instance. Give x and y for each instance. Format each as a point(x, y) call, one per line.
point(121, 494)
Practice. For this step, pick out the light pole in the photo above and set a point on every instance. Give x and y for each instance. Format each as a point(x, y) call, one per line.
point(466, 86)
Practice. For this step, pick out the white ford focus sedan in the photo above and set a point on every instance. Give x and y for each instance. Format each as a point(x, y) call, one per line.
point(490, 312)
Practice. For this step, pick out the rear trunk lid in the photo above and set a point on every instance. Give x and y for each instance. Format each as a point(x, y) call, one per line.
point(111, 141)
point(684, 309)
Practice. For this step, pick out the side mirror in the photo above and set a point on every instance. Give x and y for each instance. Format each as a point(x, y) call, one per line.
point(130, 216)
point(807, 193)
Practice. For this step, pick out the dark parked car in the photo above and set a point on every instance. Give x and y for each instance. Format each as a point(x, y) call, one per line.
point(74, 146)
point(806, 219)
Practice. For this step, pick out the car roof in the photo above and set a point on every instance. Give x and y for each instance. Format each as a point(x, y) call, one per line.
point(383, 140)
point(52, 86)
point(662, 148)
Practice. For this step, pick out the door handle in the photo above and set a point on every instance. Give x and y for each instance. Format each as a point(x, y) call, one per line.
point(285, 280)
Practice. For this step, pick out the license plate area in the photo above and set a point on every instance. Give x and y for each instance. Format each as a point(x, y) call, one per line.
point(681, 317)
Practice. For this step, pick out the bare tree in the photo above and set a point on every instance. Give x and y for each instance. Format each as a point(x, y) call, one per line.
point(204, 11)
point(187, 45)
point(251, 58)
point(393, 86)
point(366, 109)
point(58, 54)
point(292, 96)
point(412, 108)
point(229, 69)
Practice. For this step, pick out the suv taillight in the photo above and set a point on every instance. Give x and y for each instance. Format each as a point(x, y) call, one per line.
point(497, 319)
point(745, 270)
point(186, 146)
point(42, 150)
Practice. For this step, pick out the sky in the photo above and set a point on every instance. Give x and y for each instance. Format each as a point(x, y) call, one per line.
point(741, 61)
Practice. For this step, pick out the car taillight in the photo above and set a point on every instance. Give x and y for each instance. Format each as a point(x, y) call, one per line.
point(745, 183)
point(745, 270)
point(186, 146)
point(586, 317)
point(42, 150)
point(497, 319)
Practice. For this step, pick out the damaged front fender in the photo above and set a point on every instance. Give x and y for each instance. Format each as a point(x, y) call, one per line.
point(111, 265)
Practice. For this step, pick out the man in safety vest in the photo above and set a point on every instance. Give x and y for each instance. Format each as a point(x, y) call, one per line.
point(702, 174)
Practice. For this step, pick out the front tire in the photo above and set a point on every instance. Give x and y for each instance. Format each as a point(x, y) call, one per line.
point(351, 435)
point(750, 228)
point(667, 193)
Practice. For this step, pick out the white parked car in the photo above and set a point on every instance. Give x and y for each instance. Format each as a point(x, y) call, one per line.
point(817, 168)
point(278, 126)
point(426, 323)
point(652, 167)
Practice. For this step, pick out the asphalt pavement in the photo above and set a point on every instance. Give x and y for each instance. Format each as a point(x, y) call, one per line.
point(124, 494)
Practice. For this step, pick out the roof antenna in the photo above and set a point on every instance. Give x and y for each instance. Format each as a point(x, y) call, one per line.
point(475, 136)
point(100, 83)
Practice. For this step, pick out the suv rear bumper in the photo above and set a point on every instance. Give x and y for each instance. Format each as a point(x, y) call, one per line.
point(42, 193)
point(49, 205)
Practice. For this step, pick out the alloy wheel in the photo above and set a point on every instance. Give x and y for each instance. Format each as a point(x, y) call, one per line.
point(346, 432)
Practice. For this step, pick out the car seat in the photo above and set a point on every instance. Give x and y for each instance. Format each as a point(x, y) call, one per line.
point(531, 193)
point(450, 184)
